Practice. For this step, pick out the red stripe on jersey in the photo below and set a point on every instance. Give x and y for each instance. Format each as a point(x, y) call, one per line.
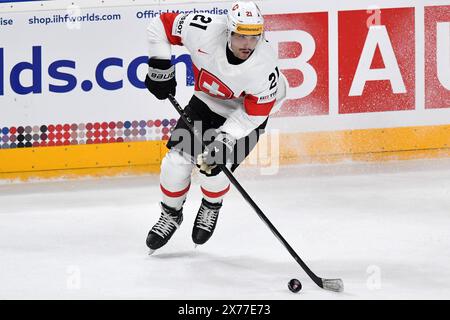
point(196, 73)
point(175, 194)
point(168, 20)
point(215, 194)
point(253, 108)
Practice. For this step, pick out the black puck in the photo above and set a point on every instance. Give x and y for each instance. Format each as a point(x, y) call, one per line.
point(295, 285)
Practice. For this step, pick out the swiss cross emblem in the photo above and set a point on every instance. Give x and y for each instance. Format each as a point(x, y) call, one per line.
point(211, 85)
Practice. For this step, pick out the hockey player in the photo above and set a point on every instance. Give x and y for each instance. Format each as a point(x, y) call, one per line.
point(237, 83)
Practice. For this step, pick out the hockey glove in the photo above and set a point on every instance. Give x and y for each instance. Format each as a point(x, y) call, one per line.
point(218, 151)
point(160, 80)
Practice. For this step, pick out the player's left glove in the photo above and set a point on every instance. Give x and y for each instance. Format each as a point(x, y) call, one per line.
point(218, 151)
point(160, 80)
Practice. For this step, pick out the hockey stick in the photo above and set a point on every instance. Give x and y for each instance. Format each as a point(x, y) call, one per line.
point(328, 284)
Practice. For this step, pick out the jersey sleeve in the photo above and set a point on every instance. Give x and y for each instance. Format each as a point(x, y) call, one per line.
point(158, 44)
point(260, 99)
point(164, 31)
point(239, 124)
point(175, 29)
point(257, 106)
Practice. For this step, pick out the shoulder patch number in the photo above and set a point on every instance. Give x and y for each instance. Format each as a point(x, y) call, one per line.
point(201, 21)
point(273, 78)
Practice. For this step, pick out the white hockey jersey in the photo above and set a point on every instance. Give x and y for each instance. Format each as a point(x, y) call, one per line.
point(244, 94)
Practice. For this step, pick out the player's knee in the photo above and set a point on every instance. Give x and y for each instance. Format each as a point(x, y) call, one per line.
point(175, 158)
point(175, 163)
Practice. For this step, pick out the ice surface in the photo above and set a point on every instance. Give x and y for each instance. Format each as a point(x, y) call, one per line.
point(384, 228)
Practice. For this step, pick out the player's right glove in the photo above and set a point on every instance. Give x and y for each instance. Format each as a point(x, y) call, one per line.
point(160, 80)
point(218, 151)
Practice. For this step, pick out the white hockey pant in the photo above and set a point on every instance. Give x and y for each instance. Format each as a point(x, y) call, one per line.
point(175, 181)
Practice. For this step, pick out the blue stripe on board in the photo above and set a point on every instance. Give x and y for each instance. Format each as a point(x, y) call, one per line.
point(6, 1)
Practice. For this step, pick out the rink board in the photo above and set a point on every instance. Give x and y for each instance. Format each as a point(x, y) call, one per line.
point(365, 82)
point(145, 156)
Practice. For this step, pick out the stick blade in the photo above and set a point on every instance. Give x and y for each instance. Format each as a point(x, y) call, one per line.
point(336, 285)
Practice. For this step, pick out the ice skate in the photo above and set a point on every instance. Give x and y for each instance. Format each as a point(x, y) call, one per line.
point(164, 229)
point(205, 222)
